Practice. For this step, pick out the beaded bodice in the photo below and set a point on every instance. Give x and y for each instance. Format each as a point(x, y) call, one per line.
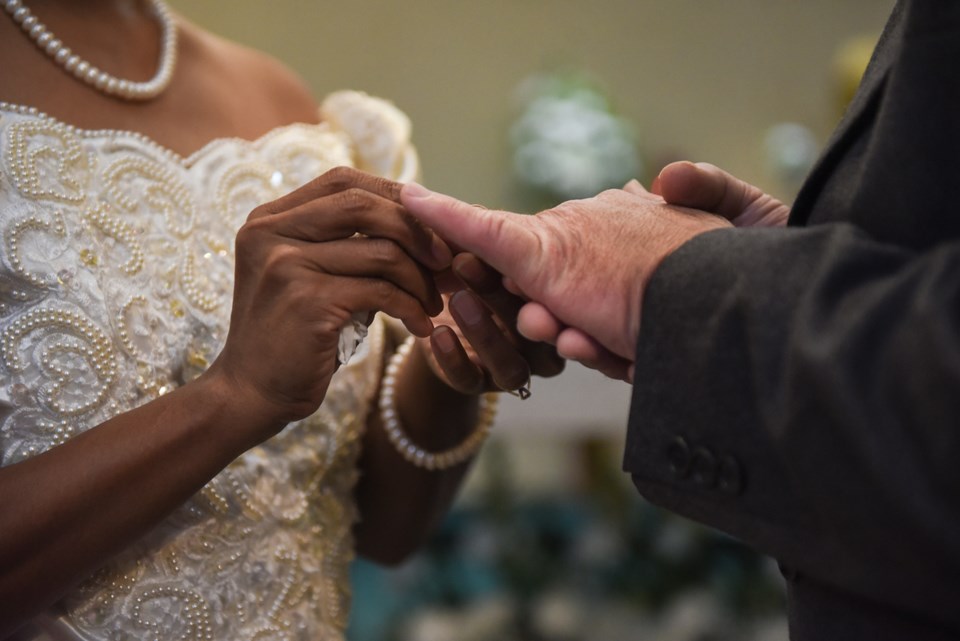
point(115, 287)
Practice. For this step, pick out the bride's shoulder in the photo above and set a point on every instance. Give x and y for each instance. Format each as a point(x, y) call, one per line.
point(246, 75)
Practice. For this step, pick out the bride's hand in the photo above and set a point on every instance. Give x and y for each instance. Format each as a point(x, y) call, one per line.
point(305, 264)
point(475, 346)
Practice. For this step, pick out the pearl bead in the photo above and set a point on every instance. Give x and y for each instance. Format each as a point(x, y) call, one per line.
point(88, 73)
point(410, 451)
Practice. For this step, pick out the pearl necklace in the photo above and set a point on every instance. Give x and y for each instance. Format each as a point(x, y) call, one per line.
point(91, 75)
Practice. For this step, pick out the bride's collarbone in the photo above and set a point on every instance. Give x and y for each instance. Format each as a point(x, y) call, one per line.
point(206, 100)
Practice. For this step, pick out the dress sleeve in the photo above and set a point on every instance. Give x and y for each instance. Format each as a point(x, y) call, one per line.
point(378, 131)
point(800, 390)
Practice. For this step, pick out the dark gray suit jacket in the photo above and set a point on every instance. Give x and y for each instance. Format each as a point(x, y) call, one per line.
point(800, 388)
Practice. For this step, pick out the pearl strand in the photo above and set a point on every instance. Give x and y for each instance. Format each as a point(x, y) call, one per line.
point(94, 76)
point(409, 450)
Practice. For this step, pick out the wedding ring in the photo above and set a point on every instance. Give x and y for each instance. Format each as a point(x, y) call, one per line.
point(523, 392)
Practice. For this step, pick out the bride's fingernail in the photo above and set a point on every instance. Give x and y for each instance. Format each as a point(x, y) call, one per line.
point(467, 307)
point(443, 339)
point(416, 191)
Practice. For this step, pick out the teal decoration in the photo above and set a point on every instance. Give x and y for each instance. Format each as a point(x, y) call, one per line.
point(591, 566)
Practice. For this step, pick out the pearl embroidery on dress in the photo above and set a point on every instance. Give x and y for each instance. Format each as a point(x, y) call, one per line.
point(115, 284)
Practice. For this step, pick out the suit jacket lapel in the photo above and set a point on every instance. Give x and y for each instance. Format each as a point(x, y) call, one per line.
point(857, 116)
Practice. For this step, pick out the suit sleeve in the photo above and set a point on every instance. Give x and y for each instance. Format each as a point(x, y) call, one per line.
point(800, 389)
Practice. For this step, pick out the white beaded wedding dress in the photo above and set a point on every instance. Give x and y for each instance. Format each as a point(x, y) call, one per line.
point(115, 287)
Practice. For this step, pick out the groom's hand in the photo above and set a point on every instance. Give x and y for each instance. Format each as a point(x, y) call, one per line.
point(709, 188)
point(586, 262)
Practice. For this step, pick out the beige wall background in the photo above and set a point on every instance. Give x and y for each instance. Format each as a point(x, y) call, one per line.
point(698, 78)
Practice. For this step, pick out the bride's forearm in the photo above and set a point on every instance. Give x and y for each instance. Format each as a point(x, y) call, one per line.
point(65, 512)
point(399, 502)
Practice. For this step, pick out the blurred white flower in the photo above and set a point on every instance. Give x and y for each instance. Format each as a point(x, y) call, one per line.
point(568, 143)
point(696, 615)
point(490, 619)
point(482, 543)
point(560, 615)
point(675, 541)
point(598, 544)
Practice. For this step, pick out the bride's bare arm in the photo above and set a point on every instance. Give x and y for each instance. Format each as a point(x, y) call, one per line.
point(400, 504)
point(65, 512)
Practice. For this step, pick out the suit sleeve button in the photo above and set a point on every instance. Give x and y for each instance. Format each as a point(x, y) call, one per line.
point(703, 467)
point(730, 477)
point(678, 457)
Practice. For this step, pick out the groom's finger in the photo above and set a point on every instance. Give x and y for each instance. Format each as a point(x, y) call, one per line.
point(501, 239)
point(706, 187)
point(578, 346)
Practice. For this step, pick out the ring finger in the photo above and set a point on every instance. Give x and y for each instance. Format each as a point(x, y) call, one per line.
point(488, 283)
point(376, 258)
point(507, 366)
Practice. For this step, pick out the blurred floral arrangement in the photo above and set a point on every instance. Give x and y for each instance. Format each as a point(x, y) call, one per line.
point(600, 566)
point(567, 142)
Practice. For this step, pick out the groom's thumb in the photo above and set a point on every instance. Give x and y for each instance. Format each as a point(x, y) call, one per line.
point(499, 238)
